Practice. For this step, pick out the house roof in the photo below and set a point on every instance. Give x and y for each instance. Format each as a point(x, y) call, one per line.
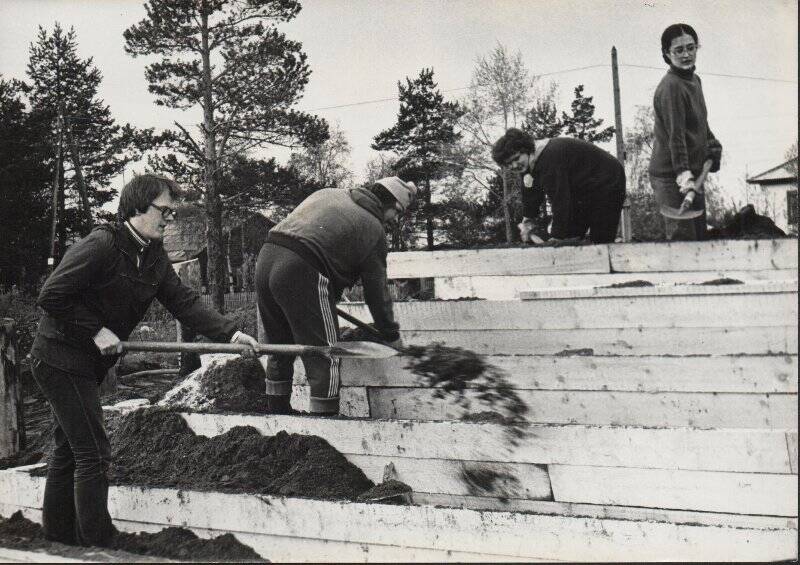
point(782, 173)
point(185, 238)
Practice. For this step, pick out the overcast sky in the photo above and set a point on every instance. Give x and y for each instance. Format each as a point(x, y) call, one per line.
point(359, 49)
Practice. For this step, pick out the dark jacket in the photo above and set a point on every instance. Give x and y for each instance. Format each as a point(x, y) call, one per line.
point(682, 140)
point(574, 174)
point(341, 234)
point(98, 284)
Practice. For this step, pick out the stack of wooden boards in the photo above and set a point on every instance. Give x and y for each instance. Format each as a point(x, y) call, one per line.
point(663, 419)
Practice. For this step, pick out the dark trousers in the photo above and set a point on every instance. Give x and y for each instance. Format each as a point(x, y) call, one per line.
point(599, 216)
point(75, 507)
point(298, 305)
point(667, 193)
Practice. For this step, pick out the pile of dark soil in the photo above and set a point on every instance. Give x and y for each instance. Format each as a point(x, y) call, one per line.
point(629, 284)
point(238, 385)
point(184, 545)
point(451, 370)
point(17, 532)
point(721, 281)
point(388, 492)
point(157, 448)
point(747, 224)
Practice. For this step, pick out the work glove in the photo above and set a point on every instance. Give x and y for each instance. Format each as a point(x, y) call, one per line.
point(244, 339)
point(714, 152)
point(526, 234)
point(685, 182)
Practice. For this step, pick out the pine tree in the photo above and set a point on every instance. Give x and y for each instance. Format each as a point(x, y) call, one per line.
point(227, 58)
point(425, 126)
point(581, 123)
point(24, 191)
point(94, 147)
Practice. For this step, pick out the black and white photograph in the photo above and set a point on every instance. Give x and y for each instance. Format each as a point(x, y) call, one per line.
point(398, 281)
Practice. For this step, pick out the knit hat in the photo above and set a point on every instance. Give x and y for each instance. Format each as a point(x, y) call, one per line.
point(404, 192)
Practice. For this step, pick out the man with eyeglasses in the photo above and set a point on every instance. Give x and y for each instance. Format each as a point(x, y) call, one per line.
point(585, 185)
point(94, 298)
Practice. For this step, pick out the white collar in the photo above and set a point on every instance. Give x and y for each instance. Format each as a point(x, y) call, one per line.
point(540, 144)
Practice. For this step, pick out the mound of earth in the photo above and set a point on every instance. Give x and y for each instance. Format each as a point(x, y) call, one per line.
point(157, 448)
point(17, 532)
point(239, 385)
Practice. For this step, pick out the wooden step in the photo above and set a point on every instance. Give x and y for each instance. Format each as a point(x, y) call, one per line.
point(510, 286)
point(749, 289)
point(689, 256)
point(733, 450)
point(717, 307)
point(292, 529)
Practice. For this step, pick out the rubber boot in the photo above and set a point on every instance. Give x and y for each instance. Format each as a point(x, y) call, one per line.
point(279, 404)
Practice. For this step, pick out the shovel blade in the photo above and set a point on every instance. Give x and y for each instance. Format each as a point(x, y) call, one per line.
point(362, 349)
point(676, 214)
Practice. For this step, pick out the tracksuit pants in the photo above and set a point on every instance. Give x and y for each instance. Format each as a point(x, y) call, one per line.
point(298, 305)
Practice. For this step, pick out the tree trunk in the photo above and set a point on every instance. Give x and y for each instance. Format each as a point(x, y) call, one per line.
point(428, 213)
point(506, 211)
point(216, 264)
point(12, 424)
point(62, 224)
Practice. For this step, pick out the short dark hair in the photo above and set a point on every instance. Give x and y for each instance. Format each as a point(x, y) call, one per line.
point(514, 141)
point(388, 201)
point(673, 31)
point(140, 192)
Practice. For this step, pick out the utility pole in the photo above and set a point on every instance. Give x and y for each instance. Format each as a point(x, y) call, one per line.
point(51, 261)
point(76, 164)
point(625, 219)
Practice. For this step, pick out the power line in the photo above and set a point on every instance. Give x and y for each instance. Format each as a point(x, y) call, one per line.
point(748, 77)
point(561, 71)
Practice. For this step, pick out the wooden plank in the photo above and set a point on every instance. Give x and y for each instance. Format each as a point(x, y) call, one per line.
point(739, 493)
point(743, 450)
point(744, 255)
point(442, 476)
point(352, 400)
point(647, 409)
point(719, 373)
point(715, 310)
point(586, 292)
point(510, 286)
point(12, 430)
point(791, 443)
point(444, 529)
point(634, 513)
point(515, 261)
point(625, 341)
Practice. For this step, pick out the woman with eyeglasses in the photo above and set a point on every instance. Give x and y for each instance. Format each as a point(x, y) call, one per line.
point(683, 140)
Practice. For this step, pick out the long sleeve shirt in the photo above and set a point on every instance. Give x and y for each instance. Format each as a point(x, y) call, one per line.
point(682, 140)
point(572, 173)
point(108, 280)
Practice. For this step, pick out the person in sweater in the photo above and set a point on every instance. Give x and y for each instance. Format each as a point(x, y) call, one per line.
point(333, 238)
point(682, 140)
point(585, 185)
point(96, 296)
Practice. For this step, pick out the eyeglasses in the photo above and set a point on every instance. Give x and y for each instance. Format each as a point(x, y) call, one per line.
point(690, 49)
point(166, 211)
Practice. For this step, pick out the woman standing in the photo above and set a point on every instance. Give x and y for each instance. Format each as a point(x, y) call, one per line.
point(682, 139)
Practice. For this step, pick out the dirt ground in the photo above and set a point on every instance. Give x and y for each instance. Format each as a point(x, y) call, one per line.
point(17, 532)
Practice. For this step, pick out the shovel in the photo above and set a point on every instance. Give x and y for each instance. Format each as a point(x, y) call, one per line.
point(685, 212)
point(367, 328)
point(359, 349)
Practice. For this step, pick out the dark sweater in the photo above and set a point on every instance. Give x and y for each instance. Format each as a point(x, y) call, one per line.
point(341, 234)
point(573, 173)
point(98, 284)
point(681, 133)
